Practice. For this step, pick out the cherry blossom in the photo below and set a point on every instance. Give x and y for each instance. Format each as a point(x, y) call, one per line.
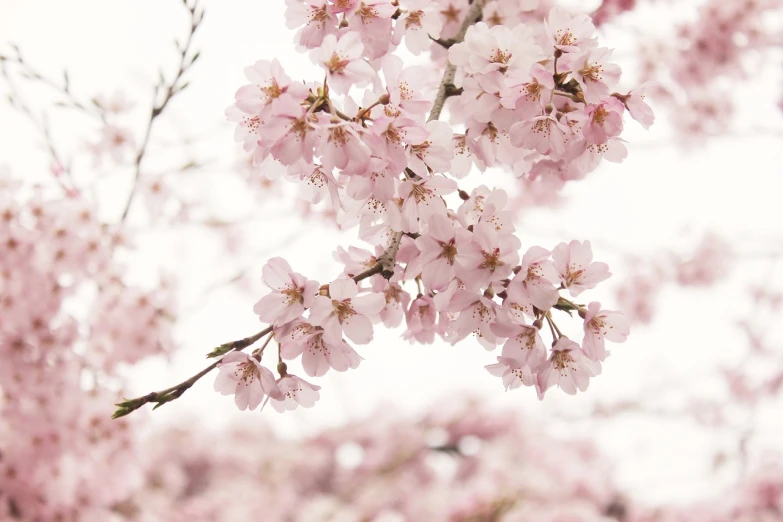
point(637, 107)
point(344, 311)
point(534, 285)
point(417, 24)
point(574, 263)
point(569, 34)
point(568, 368)
point(604, 121)
point(594, 73)
point(421, 199)
point(602, 325)
point(244, 377)
point(342, 61)
point(295, 392)
point(291, 293)
point(318, 355)
point(316, 19)
point(268, 84)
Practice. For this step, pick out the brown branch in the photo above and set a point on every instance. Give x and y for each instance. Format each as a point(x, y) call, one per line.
point(169, 394)
point(172, 89)
point(42, 126)
point(446, 88)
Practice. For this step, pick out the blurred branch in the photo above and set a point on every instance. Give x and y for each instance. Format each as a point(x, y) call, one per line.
point(59, 166)
point(27, 71)
point(170, 90)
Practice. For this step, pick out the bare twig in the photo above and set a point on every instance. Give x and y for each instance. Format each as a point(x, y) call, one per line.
point(64, 88)
point(171, 90)
point(42, 126)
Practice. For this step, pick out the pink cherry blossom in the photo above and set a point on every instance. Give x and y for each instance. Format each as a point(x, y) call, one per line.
point(527, 90)
point(343, 312)
point(245, 378)
point(390, 134)
point(594, 73)
point(343, 62)
point(513, 372)
point(318, 355)
point(477, 314)
point(268, 83)
point(420, 319)
point(419, 22)
point(406, 86)
point(613, 150)
point(289, 134)
point(544, 134)
point(315, 18)
point(291, 293)
point(638, 108)
point(533, 286)
point(295, 392)
point(433, 155)
point(500, 48)
point(486, 256)
point(566, 33)
point(574, 263)
point(372, 19)
point(568, 368)
point(604, 121)
point(523, 344)
point(600, 325)
point(438, 252)
point(422, 199)
point(397, 300)
point(342, 147)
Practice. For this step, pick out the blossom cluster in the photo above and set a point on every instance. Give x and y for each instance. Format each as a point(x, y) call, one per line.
point(533, 97)
point(457, 463)
point(65, 329)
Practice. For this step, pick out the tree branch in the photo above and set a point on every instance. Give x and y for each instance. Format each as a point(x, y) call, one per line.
point(172, 89)
point(384, 266)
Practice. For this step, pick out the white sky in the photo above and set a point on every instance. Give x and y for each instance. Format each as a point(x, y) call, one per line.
point(660, 197)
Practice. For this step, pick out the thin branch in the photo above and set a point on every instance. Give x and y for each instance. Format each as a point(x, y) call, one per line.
point(472, 16)
point(64, 89)
point(169, 394)
point(171, 90)
point(42, 126)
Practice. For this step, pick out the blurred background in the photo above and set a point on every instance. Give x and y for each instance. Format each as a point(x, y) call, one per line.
point(690, 224)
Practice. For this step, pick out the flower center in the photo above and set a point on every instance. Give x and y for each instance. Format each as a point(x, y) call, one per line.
point(343, 309)
point(414, 19)
point(448, 252)
point(491, 260)
point(336, 65)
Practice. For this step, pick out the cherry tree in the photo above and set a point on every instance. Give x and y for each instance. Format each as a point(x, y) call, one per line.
point(397, 152)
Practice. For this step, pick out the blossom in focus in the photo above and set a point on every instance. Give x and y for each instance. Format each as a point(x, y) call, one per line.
point(569, 34)
point(574, 263)
point(291, 293)
point(600, 325)
point(295, 392)
point(344, 311)
point(568, 368)
point(244, 377)
point(343, 62)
